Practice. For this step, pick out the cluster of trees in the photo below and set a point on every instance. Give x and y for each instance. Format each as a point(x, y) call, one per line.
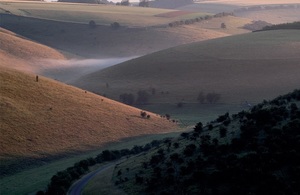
point(87, 1)
point(143, 97)
point(123, 3)
point(199, 19)
point(144, 3)
point(170, 4)
point(294, 25)
point(62, 180)
point(211, 98)
point(145, 115)
point(264, 159)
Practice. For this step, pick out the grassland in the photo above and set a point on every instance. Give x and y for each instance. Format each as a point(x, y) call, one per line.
point(65, 27)
point(101, 14)
point(46, 120)
point(241, 68)
point(46, 126)
point(35, 179)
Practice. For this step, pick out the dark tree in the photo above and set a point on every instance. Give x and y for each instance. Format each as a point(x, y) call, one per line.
point(144, 3)
point(127, 98)
point(213, 98)
point(199, 127)
point(115, 25)
point(92, 24)
point(223, 132)
point(223, 25)
point(143, 97)
point(125, 2)
point(201, 97)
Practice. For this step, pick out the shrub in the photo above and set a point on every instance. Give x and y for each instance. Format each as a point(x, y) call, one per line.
point(127, 98)
point(92, 24)
point(143, 97)
point(115, 25)
point(213, 97)
point(223, 132)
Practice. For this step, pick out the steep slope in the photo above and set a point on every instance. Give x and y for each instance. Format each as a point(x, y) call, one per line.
point(254, 151)
point(245, 67)
point(19, 53)
point(43, 119)
point(47, 118)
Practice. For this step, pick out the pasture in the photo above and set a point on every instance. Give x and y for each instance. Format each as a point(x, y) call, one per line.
point(101, 14)
point(37, 178)
point(248, 67)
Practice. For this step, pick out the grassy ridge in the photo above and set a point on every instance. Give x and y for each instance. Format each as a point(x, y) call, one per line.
point(101, 14)
point(240, 68)
point(235, 154)
point(47, 118)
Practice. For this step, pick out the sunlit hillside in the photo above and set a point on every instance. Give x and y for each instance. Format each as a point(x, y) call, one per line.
point(20, 53)
point(42, 118)
point(142, 30)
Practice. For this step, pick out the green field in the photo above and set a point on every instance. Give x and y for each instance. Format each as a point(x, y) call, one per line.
point(101, 14)
point(35, 179)
point(247, 67)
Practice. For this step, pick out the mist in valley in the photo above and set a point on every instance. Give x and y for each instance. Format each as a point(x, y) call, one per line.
point(68, 71)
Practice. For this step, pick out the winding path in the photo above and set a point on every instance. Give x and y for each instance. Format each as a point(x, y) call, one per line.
point(78, 186)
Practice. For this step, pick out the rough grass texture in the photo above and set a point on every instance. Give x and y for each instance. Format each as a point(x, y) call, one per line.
point(19, 53)
point(49, 118)
point(101, 14)
point(70, 31)
point(246, 67)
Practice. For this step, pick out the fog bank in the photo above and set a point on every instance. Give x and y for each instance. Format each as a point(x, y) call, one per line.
point(68, 71)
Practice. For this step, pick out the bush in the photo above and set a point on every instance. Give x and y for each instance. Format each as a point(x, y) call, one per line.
point(115, 25)
point(213, 97)
point(92, 24)
point(143, 97)
point(127, 98)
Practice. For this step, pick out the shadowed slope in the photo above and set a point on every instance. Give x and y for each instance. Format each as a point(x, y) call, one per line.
point(47, 118)
point(245, 67)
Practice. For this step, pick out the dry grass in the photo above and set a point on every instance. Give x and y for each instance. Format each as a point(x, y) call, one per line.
point(118, 43)
point(19, 53)
point(245, 67)
point(250, 2)
point(49, 118)
point(68, 29)
point(83, 13)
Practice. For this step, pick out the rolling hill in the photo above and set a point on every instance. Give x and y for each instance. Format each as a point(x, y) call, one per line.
point(142, 30)
point(246, 67)
point(44, 120)
point(254, 151)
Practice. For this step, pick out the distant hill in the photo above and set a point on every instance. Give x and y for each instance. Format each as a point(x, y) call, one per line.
point(169, 4)
point(20, 53)
point(63, 26)
point(42, 119)
point(245, 67)
point(254, 151)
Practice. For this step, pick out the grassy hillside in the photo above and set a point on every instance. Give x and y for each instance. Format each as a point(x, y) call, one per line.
point(19, 53)
point(143, 30)
point(241, 68)
point(101, 14)
point(46, 118)
point(253, 151)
